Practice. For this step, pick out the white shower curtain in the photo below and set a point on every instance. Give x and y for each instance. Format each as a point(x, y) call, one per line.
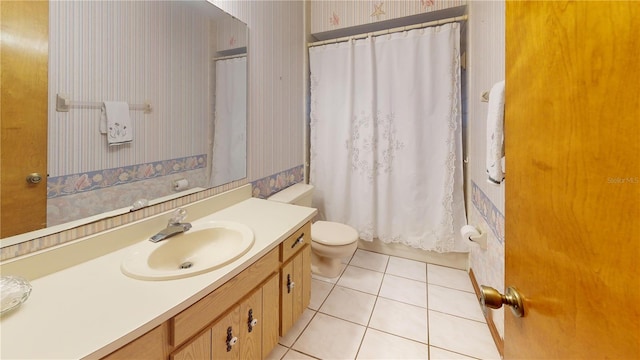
point(386, 137)
point(230, 130)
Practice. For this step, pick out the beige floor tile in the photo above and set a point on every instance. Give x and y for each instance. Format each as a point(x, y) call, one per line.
point(369, 260)
point(413, 310)
point(319, 292)
point(400, 319)
point(405, 290)
point(277, 353)
point(406, 268)
point(441, 354)
point(327, 337)
point(294, 355)
point(448, 277)
point(462, 336)
point(349, 304)
point(454, 302)
point(361, 279)
point(290, 337)
point(380, 345)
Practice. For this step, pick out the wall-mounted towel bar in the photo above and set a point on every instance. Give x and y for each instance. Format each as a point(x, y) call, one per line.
point(63, 104)
point(230, 57)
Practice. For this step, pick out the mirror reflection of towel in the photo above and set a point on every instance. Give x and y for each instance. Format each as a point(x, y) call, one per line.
point(116, 123)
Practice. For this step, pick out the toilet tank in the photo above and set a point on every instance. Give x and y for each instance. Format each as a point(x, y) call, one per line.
point(298, 194)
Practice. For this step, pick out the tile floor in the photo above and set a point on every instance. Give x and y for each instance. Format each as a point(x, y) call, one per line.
point(386, 307)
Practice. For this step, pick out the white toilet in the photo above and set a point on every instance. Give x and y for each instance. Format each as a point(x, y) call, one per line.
point(330, 241)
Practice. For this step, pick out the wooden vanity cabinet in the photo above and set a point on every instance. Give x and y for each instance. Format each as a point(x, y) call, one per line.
point(242, 333)
point(273, 291)
point(295, 277)
point(152, 345)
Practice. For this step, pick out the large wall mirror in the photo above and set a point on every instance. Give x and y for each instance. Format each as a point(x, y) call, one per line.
point(180, 67)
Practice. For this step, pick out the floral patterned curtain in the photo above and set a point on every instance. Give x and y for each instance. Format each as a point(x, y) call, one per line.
point(386, 137)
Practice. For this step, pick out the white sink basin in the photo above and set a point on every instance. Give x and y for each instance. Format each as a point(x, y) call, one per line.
point(207, 246)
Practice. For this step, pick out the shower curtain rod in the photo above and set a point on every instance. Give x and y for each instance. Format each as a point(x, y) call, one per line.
point(229, 57)
point(389, 31)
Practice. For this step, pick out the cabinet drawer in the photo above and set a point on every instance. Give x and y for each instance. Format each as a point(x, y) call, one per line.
point(197, 316)
point(295, 242)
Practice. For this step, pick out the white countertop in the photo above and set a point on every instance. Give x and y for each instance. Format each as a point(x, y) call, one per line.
point(92, 309)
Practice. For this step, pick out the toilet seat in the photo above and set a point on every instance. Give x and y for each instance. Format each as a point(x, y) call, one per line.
point(333, 233)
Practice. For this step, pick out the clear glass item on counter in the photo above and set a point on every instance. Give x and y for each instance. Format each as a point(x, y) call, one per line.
point(14, 290)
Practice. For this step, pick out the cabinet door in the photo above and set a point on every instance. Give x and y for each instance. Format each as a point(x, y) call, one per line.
point(250, 332)
point(270, 314)
point(306, 277)
point(286, 298)
point(225, 341)
point(297, 307)
point(295, 288)
point(200, 348)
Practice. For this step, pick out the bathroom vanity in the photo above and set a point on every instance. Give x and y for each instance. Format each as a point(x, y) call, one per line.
point(241, 319)
point(92, 310)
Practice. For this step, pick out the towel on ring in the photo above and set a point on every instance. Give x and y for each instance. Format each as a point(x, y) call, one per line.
point(116, 122)
point(495, 134)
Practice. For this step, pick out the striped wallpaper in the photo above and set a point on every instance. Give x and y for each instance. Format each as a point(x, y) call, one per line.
point(133, 51)
point(231, 34)
point(485, 68)
point(485, 202)
point(276, 93)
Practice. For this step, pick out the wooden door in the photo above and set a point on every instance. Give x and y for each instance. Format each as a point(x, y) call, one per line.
point(572, 131)
point(24, 57)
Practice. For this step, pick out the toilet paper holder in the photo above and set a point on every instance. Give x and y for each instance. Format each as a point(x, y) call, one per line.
point(473, 234)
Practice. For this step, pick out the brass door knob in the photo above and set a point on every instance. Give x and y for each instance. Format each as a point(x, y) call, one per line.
point(34, 178)
point(491, 298)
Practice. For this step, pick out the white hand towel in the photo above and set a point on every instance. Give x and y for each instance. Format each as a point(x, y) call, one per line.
point(116, 123)
point(495, 134)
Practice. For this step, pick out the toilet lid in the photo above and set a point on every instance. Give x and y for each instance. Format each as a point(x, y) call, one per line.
point(333, 233)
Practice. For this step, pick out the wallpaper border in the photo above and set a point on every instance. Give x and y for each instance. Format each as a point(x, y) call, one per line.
point(265, 187)
point(64, 236)
point(58, 186)
point(489, 212)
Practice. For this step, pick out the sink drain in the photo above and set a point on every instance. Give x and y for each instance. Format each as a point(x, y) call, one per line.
point(186, 265)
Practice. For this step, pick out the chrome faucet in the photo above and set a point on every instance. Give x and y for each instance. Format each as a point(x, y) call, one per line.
point(174, 227)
